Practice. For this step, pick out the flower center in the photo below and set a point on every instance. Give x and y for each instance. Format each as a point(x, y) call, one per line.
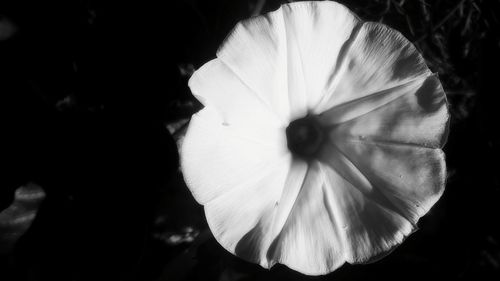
point(304, 137)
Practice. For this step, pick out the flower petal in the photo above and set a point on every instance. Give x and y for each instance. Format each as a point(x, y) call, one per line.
point(379, 58)
point(363, 105)
point(311, 241)
point(411, 178)
point(317, 34)
point(244, 220)
point(216, 158)
point(419, 117)
point(287, 57)
point(369, 229)
point(214, 84)
point(241, 219)
point(256, 51)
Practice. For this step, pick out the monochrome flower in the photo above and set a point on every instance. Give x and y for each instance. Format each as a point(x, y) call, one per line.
point(320, 139)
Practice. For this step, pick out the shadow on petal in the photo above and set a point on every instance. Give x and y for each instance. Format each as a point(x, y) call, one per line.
point(248, 247)
point(427, 102)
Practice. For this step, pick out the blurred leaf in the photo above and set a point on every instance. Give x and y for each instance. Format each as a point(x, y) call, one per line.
point(181, 266)
point(17, 218)
point(7, 28)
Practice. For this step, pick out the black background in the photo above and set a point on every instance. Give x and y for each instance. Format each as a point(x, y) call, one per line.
point(86, 91)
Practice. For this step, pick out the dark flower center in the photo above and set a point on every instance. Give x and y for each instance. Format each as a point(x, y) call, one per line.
point(304, 137)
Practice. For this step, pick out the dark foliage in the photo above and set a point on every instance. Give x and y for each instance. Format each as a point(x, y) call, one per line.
point(93, 96)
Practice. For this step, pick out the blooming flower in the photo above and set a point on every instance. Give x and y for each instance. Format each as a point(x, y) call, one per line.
point(320, 140)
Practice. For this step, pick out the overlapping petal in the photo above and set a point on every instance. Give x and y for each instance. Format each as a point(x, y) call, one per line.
point(246, 230)
point(288, 56)
point(381, 191)
point(410, 177)
point(377, 59)
point(313, 51)
point(256, 51)
point(379, 170)
point(237, 105)
point(370, 228)
point(312, 241)
point(263, 208)
point(415, 114)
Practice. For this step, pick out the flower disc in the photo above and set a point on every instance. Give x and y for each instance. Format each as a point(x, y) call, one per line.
point(304, 137)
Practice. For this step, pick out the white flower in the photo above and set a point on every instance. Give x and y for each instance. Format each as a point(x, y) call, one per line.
point(320, 140)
